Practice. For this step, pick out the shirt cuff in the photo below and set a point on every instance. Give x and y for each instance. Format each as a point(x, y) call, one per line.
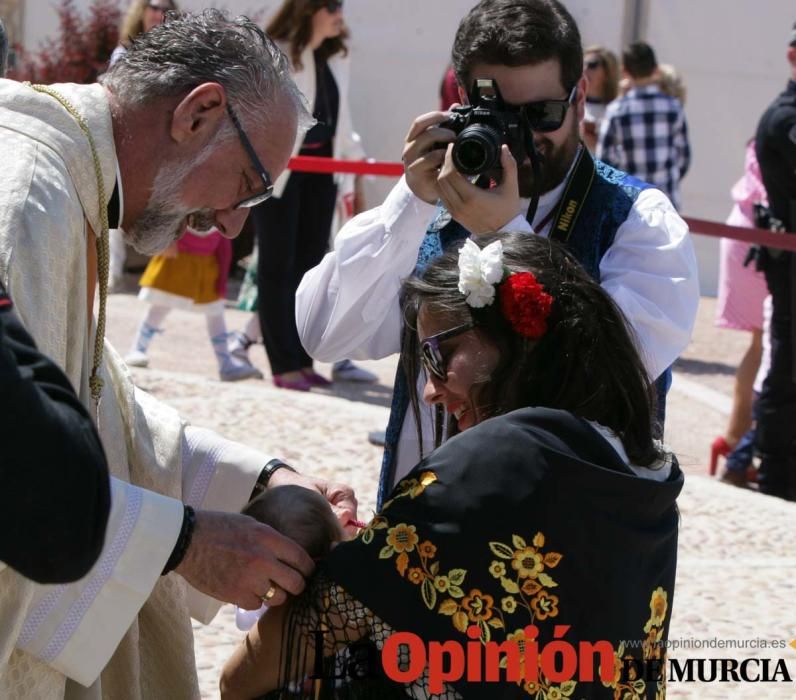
point(403, 209)
point(519, 224)
point(76, 628)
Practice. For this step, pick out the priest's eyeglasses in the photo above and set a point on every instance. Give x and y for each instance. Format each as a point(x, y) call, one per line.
point(430, 353)
point(259, 198)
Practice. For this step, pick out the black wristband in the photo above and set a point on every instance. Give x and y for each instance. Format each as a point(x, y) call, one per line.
point(265, 476)
point(183, 541)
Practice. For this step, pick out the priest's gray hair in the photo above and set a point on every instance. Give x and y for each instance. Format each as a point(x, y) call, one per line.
point(194, 48)
point(3, 48)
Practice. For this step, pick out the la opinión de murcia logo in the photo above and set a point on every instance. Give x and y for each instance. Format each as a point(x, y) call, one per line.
point(557, 662)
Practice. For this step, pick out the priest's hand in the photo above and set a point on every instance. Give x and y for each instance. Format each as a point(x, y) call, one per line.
point(341, 497)
point(234, 558)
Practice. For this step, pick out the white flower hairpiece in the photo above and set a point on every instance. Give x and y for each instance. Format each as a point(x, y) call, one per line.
point(480, 269)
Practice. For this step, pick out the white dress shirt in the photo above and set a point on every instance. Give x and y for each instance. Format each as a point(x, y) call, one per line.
point(348, 305)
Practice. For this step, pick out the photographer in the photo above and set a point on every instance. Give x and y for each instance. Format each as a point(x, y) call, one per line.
point(625, 233)
point(775, 143)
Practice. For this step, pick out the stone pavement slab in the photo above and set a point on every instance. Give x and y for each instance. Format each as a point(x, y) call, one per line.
point(737, 568)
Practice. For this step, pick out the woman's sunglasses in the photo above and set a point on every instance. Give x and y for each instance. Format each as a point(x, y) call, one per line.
point(594, 64)
point(332, 6)
point(430, 353)
point(547, 115)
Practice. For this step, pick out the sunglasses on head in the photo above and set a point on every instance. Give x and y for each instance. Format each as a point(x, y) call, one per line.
point(594, 64)
point(332, 6)
point(430, 353)
point(547, 115)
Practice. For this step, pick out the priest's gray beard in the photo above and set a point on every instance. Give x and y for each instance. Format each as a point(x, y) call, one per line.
point(165, 217)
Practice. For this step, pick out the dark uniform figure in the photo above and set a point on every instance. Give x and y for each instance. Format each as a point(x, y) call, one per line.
point(54, 485)
point(776, 153)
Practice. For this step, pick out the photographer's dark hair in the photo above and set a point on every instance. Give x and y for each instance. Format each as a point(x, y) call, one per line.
point(586, 362)
point(518, 33)
point(638, 60)
point(292, 24)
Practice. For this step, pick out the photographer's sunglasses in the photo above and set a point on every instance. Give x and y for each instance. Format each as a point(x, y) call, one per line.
point(547, 115)
point(254, 199)
point(430, 353)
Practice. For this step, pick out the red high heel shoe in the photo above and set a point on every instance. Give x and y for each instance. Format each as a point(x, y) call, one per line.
point(718, 448)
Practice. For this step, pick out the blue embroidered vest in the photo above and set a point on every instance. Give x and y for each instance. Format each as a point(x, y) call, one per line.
point(606, 207)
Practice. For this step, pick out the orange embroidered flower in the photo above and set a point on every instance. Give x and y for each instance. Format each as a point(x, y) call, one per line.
point(545, 605)
point(531, 587)
point(426, 549)
point(416, 575)
point(402, 537)
point(527, 562)
point(478, 605)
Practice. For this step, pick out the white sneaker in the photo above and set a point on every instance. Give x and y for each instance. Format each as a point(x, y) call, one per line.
point(235, 370)
point(347, 371)
point(136, 358)
point(239, 344)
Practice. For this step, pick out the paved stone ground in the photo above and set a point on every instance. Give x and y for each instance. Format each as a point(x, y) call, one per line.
point(737, 568)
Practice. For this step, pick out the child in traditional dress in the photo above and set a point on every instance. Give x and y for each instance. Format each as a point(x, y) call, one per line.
point(192, 275)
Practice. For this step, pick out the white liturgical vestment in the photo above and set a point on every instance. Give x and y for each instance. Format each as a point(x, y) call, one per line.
point(122, 631)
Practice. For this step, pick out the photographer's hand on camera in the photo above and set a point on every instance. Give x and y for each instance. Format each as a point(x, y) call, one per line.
point(422, 156)
point(480, 211)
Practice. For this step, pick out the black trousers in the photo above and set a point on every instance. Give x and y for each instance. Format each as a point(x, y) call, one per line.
point(776, 422)
point(292, 235)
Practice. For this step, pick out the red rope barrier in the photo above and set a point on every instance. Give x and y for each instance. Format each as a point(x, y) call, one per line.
point(702, 227)
point(314, 164)
point(758, 236)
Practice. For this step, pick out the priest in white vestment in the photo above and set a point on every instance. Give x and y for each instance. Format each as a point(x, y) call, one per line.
point(124, 631)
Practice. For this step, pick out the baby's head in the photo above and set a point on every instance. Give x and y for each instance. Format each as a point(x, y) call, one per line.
point(301, 514)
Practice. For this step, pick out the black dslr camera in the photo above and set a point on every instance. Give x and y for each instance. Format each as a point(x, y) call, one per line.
point(482, 127)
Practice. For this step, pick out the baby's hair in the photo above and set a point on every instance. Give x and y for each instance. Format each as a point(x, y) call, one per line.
point(299, 513)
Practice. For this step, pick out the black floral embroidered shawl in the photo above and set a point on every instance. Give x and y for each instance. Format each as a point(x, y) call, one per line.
point(528, 518)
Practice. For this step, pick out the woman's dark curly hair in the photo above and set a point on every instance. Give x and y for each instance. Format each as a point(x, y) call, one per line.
point(586, 363)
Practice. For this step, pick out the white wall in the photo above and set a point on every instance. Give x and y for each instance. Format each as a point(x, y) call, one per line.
point(731, 55)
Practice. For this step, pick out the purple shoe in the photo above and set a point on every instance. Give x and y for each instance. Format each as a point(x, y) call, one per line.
point(315, 379)
point(294, 384)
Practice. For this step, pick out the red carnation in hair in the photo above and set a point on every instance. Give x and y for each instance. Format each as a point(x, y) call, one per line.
point(525, 304)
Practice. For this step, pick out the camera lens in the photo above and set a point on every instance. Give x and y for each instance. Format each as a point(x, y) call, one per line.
point(477, 150)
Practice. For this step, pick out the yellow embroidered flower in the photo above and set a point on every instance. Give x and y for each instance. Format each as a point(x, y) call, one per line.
point(531, 587)
point(527, 562)
point(426, 549)
point(554, 693)
point(478, 605)
point(416, 575)
point(658, 606)
point(497, 569)
point(442, 583)
point(508, 604)
point(402, 537)
point(545, 605)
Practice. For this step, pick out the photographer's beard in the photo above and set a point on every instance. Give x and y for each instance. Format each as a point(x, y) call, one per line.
point(554, 163)
point(165, 217)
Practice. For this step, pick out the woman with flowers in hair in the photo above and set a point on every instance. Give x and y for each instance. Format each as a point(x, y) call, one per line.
point(546, 517)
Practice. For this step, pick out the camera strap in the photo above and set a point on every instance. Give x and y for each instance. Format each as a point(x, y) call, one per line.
point(574, 196)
